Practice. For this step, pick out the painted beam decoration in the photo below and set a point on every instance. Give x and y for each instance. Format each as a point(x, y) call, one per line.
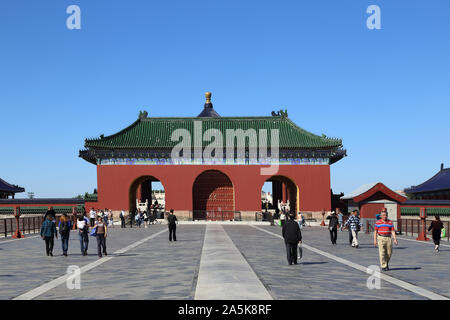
point(169, 161)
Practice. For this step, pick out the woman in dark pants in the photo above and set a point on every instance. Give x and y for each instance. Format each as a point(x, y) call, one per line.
point(65, 225)
point(333, 225)
point(436, 229)
point(101, 237)
point(48, 232)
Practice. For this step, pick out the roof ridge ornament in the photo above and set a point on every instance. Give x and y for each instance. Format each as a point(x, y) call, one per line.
point(208, 103)
point(281, 113)
point(208, 110)
point(143, 115)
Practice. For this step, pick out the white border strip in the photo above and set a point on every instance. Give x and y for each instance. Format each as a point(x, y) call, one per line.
point(424, 242)
point(58, 281)
point(13, 240)
point(400, 283)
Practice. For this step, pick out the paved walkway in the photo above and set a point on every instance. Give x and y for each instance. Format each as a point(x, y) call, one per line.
point(221, 262)
point(224, 273)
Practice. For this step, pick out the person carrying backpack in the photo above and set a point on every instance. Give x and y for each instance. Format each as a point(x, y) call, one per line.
point(65, 225)
point(48, 232)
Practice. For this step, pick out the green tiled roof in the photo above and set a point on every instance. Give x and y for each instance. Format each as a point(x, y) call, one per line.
point(148, 133)
point(409, 211)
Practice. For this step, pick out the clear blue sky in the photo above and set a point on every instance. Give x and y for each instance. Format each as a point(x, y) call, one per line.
point(386, 92)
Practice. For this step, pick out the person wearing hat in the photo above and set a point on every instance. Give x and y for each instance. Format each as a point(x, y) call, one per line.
point(292, 237)
point(332, 226)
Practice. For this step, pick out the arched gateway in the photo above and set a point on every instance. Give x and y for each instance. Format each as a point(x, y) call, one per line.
point(140, 191)
point(214, 163)
point(213, 196)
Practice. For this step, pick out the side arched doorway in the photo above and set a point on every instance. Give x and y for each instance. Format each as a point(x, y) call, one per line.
point(144, 191)
point(213, 196)
point(280, 190)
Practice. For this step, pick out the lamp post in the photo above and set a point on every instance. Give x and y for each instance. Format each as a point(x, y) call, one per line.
point(322, 224)
point(17, 234)
point(422, 236)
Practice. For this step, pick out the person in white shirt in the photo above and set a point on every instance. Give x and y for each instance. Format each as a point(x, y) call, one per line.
point(83, 230)
point(92, 214)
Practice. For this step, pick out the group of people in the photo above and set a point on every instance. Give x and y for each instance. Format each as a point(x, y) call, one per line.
point(384, 232)
point(85, 228)
point(142, 217)
point(106, 215)
point(65, 225)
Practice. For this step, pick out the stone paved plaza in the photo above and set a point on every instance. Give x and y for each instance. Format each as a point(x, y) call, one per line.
point(213, 261)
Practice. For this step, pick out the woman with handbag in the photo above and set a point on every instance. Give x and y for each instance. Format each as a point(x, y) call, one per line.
point(100, 234)
point(436, 229)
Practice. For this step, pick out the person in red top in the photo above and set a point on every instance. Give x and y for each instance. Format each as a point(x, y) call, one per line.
point(384, 230)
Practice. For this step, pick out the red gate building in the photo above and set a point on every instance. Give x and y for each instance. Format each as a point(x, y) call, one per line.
point(213, 163)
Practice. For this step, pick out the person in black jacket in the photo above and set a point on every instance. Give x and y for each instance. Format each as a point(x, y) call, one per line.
point(332, 226)
point(436, 229)
point(292, 236)
point(171, 218)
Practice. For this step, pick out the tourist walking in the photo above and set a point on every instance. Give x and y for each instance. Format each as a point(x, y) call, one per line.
point(172, 219)
point(48, 232)
point(301, 220)
point(436, 230)
point(64, 226)
point(138, 219)
point(83, 229)
point(292, 237)
point(145, 219)
point(106, 217)
point(384, 232)
point(111, 219)
point(340, 218)
point(101, 234)
point(122, 219)
point(92, 215)
point(282, 218)
point(354, 224)
point(50, 212)
point(333, 225)
point(132, 214)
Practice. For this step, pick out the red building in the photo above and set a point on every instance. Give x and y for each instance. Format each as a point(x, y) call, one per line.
point(211, 163)
point(371, 198)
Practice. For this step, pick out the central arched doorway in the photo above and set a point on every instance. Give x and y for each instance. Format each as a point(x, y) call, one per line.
point(279, 190)
point(213, 196)
point(146, 191)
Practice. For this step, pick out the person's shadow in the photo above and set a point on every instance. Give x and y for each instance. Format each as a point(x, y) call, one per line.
point(308, 263)
point(398, 269)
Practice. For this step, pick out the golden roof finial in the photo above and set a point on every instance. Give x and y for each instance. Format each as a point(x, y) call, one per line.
point(208, 97)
